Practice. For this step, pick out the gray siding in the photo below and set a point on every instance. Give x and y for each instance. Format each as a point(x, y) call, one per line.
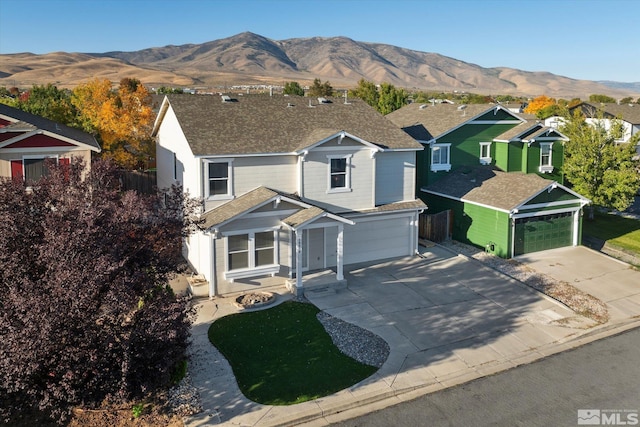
point(395, 172)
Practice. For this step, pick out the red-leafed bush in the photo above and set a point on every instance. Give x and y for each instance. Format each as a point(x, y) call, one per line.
point(85, 310)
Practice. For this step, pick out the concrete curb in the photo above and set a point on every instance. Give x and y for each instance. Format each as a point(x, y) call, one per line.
point(355, 408)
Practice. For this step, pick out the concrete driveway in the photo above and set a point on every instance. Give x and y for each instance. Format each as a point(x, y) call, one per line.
point(448, 319)
point(595, 273)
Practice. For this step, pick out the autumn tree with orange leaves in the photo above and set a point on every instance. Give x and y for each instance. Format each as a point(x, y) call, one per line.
point(121, 120)
point(541, 106)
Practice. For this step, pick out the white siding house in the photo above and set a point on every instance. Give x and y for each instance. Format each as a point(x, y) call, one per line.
point(291, 189)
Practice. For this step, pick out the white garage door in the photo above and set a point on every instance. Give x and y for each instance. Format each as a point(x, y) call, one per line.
point(379, 239)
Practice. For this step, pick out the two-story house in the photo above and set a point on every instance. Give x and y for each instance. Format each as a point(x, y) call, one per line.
point(27, 140)
point(628, 116)
point(500, 172)
point(290, 186)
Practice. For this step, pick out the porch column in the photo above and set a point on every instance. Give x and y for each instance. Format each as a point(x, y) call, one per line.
point(291, 240)
point(340, 254)
point(298, 259)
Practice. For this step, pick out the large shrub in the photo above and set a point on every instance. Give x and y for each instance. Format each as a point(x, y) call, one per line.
point(85, 310)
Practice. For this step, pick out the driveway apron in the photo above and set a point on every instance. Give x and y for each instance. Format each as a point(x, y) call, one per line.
point(612, 281)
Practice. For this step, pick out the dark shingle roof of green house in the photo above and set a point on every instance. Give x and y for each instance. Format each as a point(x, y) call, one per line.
point(256, 124)
point(427, 121)
point(490, 187)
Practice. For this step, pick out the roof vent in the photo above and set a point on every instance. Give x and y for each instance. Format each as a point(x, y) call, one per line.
point(289, 105)
point(227, 98)
point(323, 100)
point(462, 107)
point(423, 106)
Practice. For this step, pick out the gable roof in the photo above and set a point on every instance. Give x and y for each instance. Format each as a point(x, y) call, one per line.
point(258, 124)
point(628, 112)
point(258, 197)
point(425, 122)
point(529, 131)
point(21, 121)
point(487, 186)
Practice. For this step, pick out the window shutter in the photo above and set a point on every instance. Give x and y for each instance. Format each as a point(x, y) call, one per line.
point(16, 169)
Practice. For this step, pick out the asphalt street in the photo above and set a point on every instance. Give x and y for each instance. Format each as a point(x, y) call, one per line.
point(600, 379)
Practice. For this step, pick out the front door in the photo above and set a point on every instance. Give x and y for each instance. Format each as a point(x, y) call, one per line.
point(315, 245)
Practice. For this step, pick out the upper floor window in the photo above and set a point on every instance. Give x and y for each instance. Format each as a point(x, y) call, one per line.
point(440, 157)
point(485, 153)
point(545, 157)
point(218, 182)
point(339, 173)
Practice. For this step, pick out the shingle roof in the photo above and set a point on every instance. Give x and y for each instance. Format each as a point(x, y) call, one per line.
point(235, 207)
point(628, 112)
point(487, 186)
point(39, 122)
point(303, 216)
point(256, 124)
point(426, 121)
point(398, 206)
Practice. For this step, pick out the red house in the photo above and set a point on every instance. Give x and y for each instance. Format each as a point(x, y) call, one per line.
point(26, 140)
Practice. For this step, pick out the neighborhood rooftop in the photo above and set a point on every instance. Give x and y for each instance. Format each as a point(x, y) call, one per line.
point(491, 187)
point(434, 120)
point(256, 124)
point(30, 122)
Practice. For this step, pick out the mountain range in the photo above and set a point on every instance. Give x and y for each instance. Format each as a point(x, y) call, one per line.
point(251, 59)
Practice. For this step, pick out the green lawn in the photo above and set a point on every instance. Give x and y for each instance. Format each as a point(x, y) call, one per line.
point(283, 355)
point(615, 230)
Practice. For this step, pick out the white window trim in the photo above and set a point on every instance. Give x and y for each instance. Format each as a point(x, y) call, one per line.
point(252, 270)
point(546, 168)
point(435, 167)
point(229, 194)
point(487, 159)
point(347, 187)
point(36, 157)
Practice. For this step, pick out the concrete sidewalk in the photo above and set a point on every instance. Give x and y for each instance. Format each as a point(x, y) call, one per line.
point(447, 318)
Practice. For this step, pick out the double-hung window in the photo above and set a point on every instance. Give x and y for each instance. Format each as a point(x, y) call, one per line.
point(339, 173)
point(485, 153)
point(440, 157)
point(545, 157)
point(218, 179)
point(251, 254)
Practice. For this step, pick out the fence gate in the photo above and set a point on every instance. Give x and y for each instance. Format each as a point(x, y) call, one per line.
point(436, 227)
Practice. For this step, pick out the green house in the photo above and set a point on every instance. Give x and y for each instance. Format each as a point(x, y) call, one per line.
point(499, 172)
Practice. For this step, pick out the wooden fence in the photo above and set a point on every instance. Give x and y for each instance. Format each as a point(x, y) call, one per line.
point(142, 182)
point(436, 227)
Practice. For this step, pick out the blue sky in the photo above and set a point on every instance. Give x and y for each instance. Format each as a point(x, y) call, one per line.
point(582, 39)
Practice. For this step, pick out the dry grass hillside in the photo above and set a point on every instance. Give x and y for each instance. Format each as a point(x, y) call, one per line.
point(249, 58)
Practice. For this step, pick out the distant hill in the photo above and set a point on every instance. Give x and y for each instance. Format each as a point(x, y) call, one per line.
point(249, 58)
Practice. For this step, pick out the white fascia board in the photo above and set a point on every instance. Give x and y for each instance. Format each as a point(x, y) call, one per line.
point(65, 139)
point(160, 117)
point(472, 120)
point(341, 134)
point(18, 138)
point(321, 215)
point(226, 156)
point(553, 185)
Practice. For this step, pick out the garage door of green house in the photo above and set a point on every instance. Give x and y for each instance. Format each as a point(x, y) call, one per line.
point(540, 233)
